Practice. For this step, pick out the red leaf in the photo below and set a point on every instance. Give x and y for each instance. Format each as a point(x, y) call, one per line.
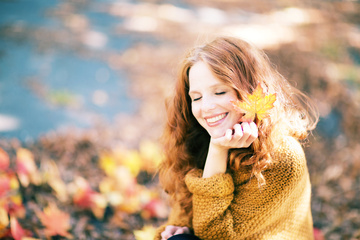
point(318, 235)
point(84, 196)
point(4, 184)
point(155, 208)
point(16, 230)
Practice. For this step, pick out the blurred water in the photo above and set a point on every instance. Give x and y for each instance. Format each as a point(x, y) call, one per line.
point(44, 90)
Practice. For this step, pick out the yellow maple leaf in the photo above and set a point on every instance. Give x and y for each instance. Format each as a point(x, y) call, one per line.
point(256, 105)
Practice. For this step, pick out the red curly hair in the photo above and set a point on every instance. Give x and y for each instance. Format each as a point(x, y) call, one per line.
point(241, 66)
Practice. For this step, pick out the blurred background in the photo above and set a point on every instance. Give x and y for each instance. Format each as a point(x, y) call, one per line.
point(83, 83)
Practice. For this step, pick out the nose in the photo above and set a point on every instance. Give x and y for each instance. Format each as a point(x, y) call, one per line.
point(208, 104)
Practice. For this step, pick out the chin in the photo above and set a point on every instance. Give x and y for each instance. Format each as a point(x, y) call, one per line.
point(217, 134)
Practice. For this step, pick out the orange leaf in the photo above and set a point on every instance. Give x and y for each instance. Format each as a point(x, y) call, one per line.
point(255, 105)
point(4, 160)
point(55, 221)
point(4, 232)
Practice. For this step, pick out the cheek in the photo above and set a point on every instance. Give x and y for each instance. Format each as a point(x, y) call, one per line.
point(228, 105)
point(195, 111)
point(228, 102)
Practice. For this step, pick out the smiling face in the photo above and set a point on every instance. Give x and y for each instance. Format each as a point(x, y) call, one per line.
point(211, 101)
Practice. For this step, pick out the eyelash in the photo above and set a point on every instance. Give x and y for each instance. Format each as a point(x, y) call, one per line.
point(218, 93)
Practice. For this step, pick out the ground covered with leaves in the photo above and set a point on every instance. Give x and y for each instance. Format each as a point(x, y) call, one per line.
point(99, 183)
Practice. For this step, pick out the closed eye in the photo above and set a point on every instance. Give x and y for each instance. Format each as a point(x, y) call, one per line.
point(196, 99)
point(220, 93)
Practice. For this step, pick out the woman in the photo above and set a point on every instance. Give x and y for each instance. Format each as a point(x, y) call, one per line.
point(228, 178)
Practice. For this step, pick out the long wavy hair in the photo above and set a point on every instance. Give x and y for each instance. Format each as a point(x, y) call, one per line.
point(241, 66)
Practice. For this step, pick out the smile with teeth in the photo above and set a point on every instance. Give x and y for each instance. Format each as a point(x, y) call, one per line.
point(216, 118)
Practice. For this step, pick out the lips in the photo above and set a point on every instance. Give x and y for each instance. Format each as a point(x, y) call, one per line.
point(215, 120)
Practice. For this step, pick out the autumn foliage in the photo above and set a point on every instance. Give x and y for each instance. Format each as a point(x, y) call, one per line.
point(118, 192)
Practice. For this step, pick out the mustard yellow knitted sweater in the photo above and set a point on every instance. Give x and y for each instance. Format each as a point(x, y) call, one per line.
point(231, 205)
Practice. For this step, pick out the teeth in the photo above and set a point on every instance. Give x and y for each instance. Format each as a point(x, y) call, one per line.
point(215, 119)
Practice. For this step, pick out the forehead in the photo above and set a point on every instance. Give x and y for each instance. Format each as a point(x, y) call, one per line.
point(200, 76)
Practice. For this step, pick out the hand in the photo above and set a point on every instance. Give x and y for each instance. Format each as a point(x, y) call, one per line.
point(173, 230)
point(242, 136)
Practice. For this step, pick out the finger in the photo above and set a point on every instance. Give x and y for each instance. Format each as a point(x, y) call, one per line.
point(165, 235)
point(246, 130)
point(186, 230)
point(254, 134)
point(168, 232)
point(238, 132)
point(254, 129)
point(228, 135)
point(179, 231)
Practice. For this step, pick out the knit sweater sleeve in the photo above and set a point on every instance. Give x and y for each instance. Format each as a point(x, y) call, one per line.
point(232, 206)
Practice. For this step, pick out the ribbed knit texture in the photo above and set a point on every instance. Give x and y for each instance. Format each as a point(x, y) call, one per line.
point(232, 206)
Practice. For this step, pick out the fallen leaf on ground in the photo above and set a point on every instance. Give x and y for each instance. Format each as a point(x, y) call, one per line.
point(151, 154)
point(318, 235)
point(147, 232)
point(51, 174)
point(55, 221)
point(17, 232)
point(4, 185)
point(26, 167)
point(156, 208)
point(4, 221)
